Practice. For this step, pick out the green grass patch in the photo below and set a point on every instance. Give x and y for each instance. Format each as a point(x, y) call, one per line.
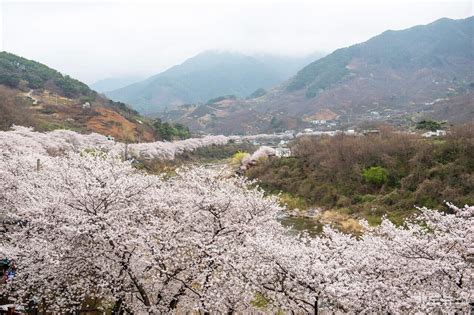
point(293, 202)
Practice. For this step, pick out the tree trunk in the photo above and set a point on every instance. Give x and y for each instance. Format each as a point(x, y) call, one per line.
point(44, 306)
point(117, 309)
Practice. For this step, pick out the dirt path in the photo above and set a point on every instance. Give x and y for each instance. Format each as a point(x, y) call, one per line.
point(30, 95)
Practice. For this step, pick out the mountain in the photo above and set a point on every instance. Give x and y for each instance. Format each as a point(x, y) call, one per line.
point(208, 75)
point(32, 94)
point(440, 45)
point(110, 84)
point(396, 76)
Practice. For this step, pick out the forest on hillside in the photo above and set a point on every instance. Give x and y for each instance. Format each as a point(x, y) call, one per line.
point(377, 174)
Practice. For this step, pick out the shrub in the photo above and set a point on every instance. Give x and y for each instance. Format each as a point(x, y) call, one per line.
point(389, 170)
point(391, 198)
point(343, 201)
point(168, 132)
point(293, 202)
point(221, 98)
point(375, 175)
point(238, 157)
point(9, 80)
point(429, 125)
point(364, 198)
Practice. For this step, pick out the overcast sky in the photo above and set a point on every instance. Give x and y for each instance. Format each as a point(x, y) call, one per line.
point(92, 40)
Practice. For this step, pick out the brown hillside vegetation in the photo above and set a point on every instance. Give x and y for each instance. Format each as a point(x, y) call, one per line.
point(372, 175)
point(32, 94)
point(45, 110)
point(109, 122)
point(15, 109)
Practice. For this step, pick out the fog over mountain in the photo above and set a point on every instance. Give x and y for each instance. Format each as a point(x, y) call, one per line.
point(92, 41)
point(110, 84)
point(425, 70)
point(208, 75)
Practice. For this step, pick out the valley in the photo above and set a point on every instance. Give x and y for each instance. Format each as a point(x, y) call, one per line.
point(397, 77)
point(237, 181)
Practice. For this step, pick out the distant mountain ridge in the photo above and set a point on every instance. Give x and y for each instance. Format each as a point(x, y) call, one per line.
point(397, 76)
point(208, 75)
point(110, 84)
point(430, 46)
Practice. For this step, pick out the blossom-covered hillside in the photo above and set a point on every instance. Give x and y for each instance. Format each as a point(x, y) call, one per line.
point(88, 230)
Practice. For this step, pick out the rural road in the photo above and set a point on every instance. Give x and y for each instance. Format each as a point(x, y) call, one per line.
point(30, 95)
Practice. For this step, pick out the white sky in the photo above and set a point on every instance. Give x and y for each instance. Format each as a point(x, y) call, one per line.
point(91, 40)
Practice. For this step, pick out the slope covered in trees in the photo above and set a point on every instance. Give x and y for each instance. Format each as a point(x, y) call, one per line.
point(375, 175)
point(436, 45)
point(16, 72)
point(35, 95)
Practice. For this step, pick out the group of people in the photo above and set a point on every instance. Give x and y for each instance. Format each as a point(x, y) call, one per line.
point(8, 269)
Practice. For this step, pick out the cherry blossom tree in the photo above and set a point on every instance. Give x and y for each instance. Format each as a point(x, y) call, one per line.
point(93, 227)
point(85, 225)
point(423, 266)
point(26, 141)
point(426, 264)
